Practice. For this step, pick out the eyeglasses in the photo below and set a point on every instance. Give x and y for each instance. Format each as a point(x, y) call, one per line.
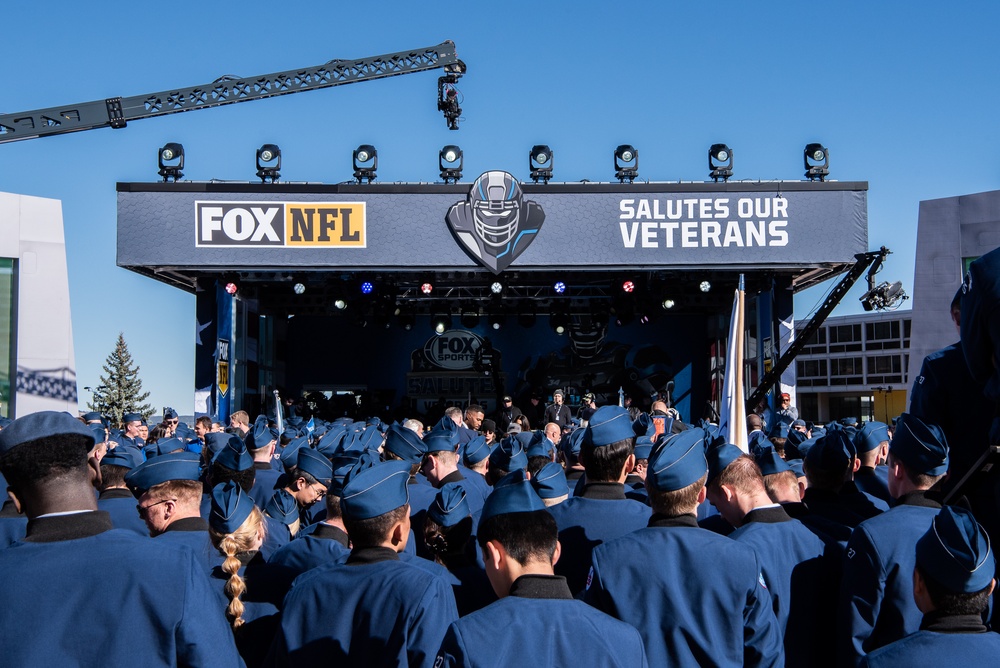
point(174, 421)
point(321, 492)
point(144, 510)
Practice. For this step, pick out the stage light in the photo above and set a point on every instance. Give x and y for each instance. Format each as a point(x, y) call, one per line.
point(365, 159)
point(299, 288)
point(626, 163)
point(441, 323)
point(497, 288)
point(559, 323)
point(704, 286)
point(367, 288)
point(497, 321)
point(668, 304)
point(232, 288)
point(268, 163)
point(720, 162)
point(628, 286)
point(450, 162)
point(427, 288)
point(559, 287)
point(340, 303)
point(817, 161)
point(170, 158)
point(540, 163)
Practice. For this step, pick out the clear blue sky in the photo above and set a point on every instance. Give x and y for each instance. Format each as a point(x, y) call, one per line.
point(904, 96)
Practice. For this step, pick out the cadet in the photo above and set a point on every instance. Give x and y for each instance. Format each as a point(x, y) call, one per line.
point(697, 598)
point(476, 461)
point(306, 481)
point(260, 442)
point(168, 490)
point(876, 597)
point(601, 512)
point(872, 445)
point(115, 497)
point(800, 579)
point(440, 466)
point(374, 609)
point(131, 437)
point(74, 582)
point(536, 613)
point(828, 466)
point(952, 582)
point(508, 456)
point(403, 444)
point(550, 484)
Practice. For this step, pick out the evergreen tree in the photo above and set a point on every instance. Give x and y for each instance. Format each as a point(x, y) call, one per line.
point(120, 390)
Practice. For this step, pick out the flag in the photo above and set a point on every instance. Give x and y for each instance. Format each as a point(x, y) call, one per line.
point(733, 423)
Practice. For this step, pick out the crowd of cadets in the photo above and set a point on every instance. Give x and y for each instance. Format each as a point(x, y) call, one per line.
point(633, 540)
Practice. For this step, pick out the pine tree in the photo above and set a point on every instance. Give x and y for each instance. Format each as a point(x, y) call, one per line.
point(120, 390)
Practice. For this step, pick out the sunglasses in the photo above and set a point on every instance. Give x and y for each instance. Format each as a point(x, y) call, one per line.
point(144, 510)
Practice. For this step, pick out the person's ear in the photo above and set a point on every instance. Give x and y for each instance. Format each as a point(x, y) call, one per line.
point(729, 492)
point(494, 554)
point(856, 466)
point(630, 464)
point(557, 553)
point(94, 471)
point(702, 495)
point(17, 501)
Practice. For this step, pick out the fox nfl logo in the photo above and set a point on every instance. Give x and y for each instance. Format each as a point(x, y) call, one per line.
point(280, 225)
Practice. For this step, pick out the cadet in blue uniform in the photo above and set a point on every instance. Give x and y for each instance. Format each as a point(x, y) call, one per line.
point(305, 482)
point(375, 609)
point(507, 456)
point(831, 495)
point(440, 466)
point(872, 445)
point(550, 484)
point(951, 586)
point(115, 497)
point(475, 460)
point(260, 442)
point(542, 623)
point(876, 597)
point(402, 444)
point(168, 490)
point(130, 437)
point(601, 512)
point(800, 578)
point(56, 607)
point(697, 598)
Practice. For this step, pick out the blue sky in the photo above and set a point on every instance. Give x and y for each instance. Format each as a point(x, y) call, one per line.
point(902, 94)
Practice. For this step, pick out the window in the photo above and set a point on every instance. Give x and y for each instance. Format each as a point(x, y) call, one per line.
point(8, 333)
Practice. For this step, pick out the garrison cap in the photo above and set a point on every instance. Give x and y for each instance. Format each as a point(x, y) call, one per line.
point(540, 445)
point(796, 466)
point(870, 436)
point(770, 462)
point(342, 465)
point(644, 425)
point(100, 433)
point(234, 455)
point(832, 453)
point(678, 460)
point(173, 466)
point(217, 440)
point(122, 456)
point(513, 493)
point(475, 451)
point(572, 443)
point(956, 552)
point(132, 417)
point(231, 507)
point(164, 446)
point(376, 490)
point(508, 455)
point(921, 446)
point(608, 425)
point(331, 441)
point(315, 464)
point(441, 440)
point(92, 416)
point(283, 507)
point(260, 435)
point(449, 507)
point(550, 481)
point(169, 414)
point(643, 446)
point(290, 453)
point(719, 457)
point(404, 443)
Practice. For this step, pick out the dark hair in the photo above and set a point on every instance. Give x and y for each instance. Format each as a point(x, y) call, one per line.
point(494, 473)
point(779, 445)
point(220, 474)
point(677, 502)
point(536, 463)
point(527, 537)
point(332, 506)
point(474, 408)
point(604, 463)
point(447, 544)
point(374, 531)
point(823, 479)
point(921, 480)
point(45, 458)
point(205, 422)
point(156, 433)
point(112, 476)
point(295, 473)
point(949, 603)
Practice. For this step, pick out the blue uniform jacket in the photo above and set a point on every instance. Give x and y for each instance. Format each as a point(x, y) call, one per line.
point(193, 532)
point(876, 594)
point(697, 598)
point(264, 484)
point(324, 545)
point(12, 524)
point(276, 536)
point(62, 609)
point(546, 628)
point(374, 610)
point(120, 504)
point(801, 575)
point(600, 514)
point(942, 641)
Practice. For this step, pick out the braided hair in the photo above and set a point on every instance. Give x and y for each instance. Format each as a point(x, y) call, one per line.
point(240, 541)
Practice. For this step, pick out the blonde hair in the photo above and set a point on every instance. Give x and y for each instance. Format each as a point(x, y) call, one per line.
point(231, 544)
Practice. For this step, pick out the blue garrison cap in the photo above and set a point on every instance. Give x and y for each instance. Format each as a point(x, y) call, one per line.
point(169, 414)
point(100, 434)
point(132, 417)
point(332, 440)
point(832, 453)
point(956, 552)
point(441, 440)
point(449, 506)
point(818, 431)
point(921, 446)
point(513, 493)
point(550, 481)
point(41, 425)
point(770, 462)
point(677, 460)
point(342, 464)
point(571, 444)
point(719, 457)
point(608, 425)
point(315, 464)
point(796, 466)
point(164, 446)
point(404, 443)
point(290, 453)
point(371, 437)
point(475, 451)
point(374, 491)
point(174, 466)
point(122, 456)
point(644, 425)
point(508, 455)
point(259, 436)
point(234, 455)
point(283, 507)
point(231, 507)
point(643, 446)
point(869, 436)
point(540, 446)
point(792, 442)
point(217, 440)
point(290, 432)
point(92, 416)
